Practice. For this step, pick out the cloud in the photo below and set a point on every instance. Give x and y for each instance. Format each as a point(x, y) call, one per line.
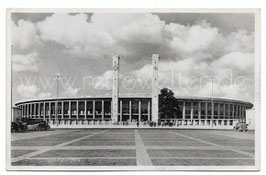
point(104, 82)
point(233, 74)
point(239, 60)
point(133, 35)
point(27, 91)
point(74, 32)
point(24, 34)
point(240, 41)
point(102, 34)
point(188, 52)
point(192, 39)
point(138, 34)
point(31, 92)
point(202, 41)
point(44, 95)
point(130, 26)
point(26, 62)
point(70, 92)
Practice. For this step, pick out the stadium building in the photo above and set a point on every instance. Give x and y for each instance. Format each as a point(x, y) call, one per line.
point(194, 112)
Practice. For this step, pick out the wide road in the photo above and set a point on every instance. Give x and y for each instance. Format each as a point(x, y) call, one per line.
point(132, 147)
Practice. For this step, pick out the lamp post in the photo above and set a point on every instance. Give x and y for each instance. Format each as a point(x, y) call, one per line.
point(212, 78)
point(57, 77)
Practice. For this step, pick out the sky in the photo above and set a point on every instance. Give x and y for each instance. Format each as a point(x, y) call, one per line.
point(194, 49)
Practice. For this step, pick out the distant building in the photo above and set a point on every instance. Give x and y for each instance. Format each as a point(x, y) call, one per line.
point(16, 113)
point(250, 118)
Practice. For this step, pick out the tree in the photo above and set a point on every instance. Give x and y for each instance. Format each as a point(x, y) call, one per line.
point(168, 106)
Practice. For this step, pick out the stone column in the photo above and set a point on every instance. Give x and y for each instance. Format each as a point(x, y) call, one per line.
point(39, 110)
point(62, 109)
point(85, 108)
point(30, 106)
point(30, 109)
point(121, 110)
point(233, 105)
point(212, 110)
point(191, 111)
point(218, 112)
point(155, 87)
point(27, 110)
point(184, 110)
point(149, 111)
point(50, 111)
point(93, 109)
point(229, 110)
point(130, 110)
point(206, 110)
point(69, 108)
point(199, 110)
point(102, 110)
point(22, 111)
point(115, 90)
point(139, 111)
point(44, 112)
point(224, 109)
point(77, 103)
point(34, 110)
point(240, 112)
point(56, 112)
point(244, 113)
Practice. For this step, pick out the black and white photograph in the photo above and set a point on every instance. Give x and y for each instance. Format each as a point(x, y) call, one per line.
point(118, 89)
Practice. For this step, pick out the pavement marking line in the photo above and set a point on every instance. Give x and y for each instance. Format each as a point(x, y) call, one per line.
point(184, 147)
point(99, 141)
point(72, 147)
point(192, 147)
point(78, 158)
point(216, 145)
point(52, 147)
point(142, 156)
point(207, 158)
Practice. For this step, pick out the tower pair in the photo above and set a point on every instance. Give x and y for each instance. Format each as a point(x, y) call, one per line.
point(155, 87)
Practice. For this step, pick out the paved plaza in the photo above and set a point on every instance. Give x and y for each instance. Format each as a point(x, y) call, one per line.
point(132, 147)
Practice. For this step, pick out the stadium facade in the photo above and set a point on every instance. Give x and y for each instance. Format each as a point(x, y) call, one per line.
point(97, 111)
point(194, 112)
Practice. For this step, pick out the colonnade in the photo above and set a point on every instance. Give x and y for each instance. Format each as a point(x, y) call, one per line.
point(190, 111)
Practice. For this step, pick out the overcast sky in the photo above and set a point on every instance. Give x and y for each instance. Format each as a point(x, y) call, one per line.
point(192, 48)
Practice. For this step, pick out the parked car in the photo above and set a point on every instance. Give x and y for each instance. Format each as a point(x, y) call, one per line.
point(18, 126)
point(36, 124)
point(43, 126)
point(241, 126)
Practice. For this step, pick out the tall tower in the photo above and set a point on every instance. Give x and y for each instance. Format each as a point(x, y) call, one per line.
point(155, 87)
point(115, 89)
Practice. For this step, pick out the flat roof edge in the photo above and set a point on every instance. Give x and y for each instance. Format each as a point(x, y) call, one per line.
point(108, 97)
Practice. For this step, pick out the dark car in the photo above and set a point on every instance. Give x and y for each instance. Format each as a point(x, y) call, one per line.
point(36, 124)
point(18, 126)
point(43, 126)
point(241, 126)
